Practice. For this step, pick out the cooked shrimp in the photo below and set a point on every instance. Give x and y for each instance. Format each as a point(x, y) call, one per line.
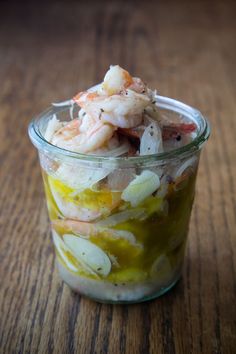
point(87, 230)
point(174, 131)
point(116, 146)
point(124, 110)
point(78, 227)
point(75, 211)
point(135, 133)
point(138, 86)
point(120, 100)
point(83, 135)
point(116, 80)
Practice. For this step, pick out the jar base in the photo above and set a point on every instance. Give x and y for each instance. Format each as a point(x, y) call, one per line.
point(109, 293)
point(130, 302)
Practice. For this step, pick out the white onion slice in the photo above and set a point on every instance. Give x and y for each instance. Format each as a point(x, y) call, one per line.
point(71, 101)
point(188, 163)
point(80, 178)
point(53, 125)
point(89, 253)
point(119, 234)
point(62, 249)
point(104, 232)
point(121, 217)
point(126, 235)
point(72, 111)
point(141, 187)
point(151, 140)
point(63, 103)
point(72, 210)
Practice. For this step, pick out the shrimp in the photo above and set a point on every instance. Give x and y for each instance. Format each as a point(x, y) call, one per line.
point(87, 230)
point(117, 146)
point(138, 86)
point(112, 144)
point(83, 135)
point(78, 227)
point(118, 79)
point(124, 110)
point(172, 131)
point(120, 100)
point(135, 133)
point(115, 80)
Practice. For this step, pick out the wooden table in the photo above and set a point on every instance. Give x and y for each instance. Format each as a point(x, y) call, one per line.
point(48, 52)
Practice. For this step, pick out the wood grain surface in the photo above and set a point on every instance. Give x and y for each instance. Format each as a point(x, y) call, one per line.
point(49, 51)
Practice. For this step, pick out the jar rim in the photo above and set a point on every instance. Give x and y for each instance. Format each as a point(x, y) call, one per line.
point(162, 102)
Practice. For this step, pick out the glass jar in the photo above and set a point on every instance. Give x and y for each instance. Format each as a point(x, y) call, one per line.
point(120, 224)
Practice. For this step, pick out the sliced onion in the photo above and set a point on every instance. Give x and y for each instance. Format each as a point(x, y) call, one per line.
point(63, 103)
point(141, 187)
point(90, 254)
point(151, 140)
point(80, 178)
point(72, 111)
point(117, 235)
point(121, 217)
point(188, 163)
point(152, 110)
point(72, 210)
point(62, 249)
point(53, 125)
point(71, 101)
point(126, 235)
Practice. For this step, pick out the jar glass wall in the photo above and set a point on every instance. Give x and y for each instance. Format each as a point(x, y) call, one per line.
point(120, 225)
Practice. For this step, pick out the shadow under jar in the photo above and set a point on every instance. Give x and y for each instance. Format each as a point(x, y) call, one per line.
point(109, 247)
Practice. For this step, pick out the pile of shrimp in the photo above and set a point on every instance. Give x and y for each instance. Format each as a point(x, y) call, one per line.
point(121, 115)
